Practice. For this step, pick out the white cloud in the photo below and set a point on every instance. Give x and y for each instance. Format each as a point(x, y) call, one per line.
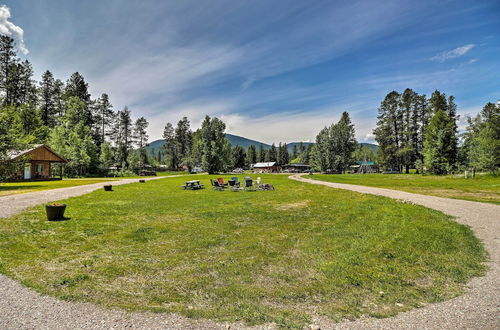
point(12, 30)
point(273, 128)
point(473, 60)
point(457, 52)
point(167, 74)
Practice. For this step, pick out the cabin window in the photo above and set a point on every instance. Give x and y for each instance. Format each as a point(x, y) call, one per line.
point(39, 168)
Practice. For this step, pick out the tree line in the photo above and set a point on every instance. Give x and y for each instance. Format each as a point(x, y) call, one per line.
point(416, 132)
point(85, 131)
point(208, 148)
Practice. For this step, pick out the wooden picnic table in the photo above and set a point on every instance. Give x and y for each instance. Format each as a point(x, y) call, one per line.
point(193, 185)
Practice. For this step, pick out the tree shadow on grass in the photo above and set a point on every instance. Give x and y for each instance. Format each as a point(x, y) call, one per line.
point(24, 187)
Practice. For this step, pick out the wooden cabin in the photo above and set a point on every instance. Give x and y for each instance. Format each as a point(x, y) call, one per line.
point(38, 163)
point(269, 167)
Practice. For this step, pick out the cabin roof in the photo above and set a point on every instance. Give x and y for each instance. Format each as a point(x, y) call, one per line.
point(268, 164)
point(15, 154)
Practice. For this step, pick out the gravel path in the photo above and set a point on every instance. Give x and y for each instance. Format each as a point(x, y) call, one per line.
point(22, 308)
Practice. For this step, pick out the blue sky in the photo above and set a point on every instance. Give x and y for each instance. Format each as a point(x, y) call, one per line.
point(272, 70)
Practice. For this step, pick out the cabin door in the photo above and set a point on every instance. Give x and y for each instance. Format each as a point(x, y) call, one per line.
point(27, 171)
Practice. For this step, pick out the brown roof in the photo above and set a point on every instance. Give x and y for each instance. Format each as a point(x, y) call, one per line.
point(15, 154)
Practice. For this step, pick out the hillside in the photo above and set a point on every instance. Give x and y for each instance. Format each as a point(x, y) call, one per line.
point(155, 146)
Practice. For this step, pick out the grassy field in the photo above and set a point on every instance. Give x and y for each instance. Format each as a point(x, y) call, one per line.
point(480, 189)
point(11, 188)
point(278, 256)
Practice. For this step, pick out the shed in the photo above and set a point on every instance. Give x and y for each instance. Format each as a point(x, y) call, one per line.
point(38, 163)
point(296, 168)
point(269, 167)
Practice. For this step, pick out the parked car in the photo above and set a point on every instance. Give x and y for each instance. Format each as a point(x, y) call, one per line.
point(147, 173)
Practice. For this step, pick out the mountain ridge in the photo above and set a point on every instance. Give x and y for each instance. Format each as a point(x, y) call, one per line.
point(246, 142)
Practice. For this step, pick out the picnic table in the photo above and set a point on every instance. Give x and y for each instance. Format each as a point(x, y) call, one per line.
point(193, 185)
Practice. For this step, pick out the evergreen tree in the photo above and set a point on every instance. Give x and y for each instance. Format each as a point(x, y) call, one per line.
point(8, 62)
point(106, 157)
point(214, 145)
point(239, 156)
point(251, 155)
point(273, 154)
point(184, 140)
point(438, 144)
point(261, 155)
point(283, 156)
point(47, 102)
point(295, 153)
point(123, 136)
point(141, 136)
point(388, 131)
point(77, 87)
point(335, 145)
point(482, 139)
point(170, 147)
point(103, 116)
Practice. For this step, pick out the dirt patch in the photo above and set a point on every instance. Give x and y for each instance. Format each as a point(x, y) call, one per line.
point(293, 206)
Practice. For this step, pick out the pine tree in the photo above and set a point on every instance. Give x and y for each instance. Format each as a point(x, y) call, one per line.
point(123, 136)
point(251, 155)
point(294, 152)
point(77, 87)
point(388, 131)
point(103, 116)
point(170, 147)
point(239, 156)
point(8, 62)
point(273, 154)
point(141, 136)
point(47, 102)
point(183, 139)
point(261, 155)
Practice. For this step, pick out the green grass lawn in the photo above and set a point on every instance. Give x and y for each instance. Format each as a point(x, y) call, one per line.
point(480, 189)
point(11, 188)
point(279, 256)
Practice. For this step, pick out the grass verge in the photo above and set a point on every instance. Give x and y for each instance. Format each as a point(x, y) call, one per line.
point(484, 189)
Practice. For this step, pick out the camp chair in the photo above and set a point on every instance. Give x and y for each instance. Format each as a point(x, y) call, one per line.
point(221, 182)
point(236, 181)
point(249, 185)
point(216, 185)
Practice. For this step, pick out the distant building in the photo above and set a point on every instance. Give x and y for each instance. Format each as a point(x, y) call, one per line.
point(269, 167)
point(296, 168)
point(37, 163)
point(364, 167)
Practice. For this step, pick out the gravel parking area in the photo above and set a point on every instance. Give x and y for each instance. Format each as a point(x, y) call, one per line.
point(479, 308)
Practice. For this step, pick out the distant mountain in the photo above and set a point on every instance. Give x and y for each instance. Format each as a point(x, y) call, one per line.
point(244, 142)
point(155, 146)
point(372, 146)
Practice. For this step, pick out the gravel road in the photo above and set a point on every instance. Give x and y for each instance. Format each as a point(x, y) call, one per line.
point(479, 308)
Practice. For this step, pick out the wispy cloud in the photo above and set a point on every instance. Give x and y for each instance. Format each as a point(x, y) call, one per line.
point(457, 52)
point(12, 30)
